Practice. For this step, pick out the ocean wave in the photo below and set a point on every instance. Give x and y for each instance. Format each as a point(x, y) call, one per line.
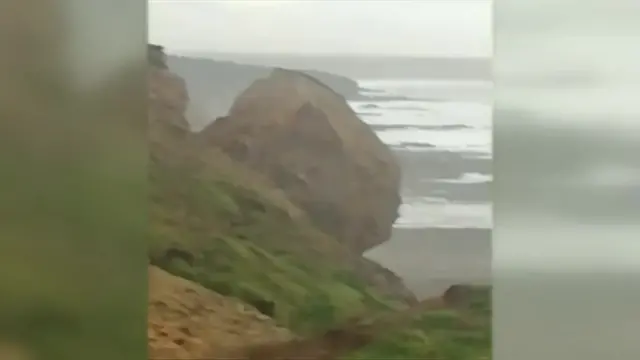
point(437, 90)
point(467, 140)
point(428, 213)
point(440, 116)
point(419, 127)
point(468, 178)
point(425, 114)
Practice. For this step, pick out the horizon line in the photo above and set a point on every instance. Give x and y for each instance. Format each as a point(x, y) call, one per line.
point(321, 55)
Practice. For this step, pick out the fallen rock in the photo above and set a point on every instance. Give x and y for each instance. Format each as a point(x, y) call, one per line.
point(385, 280)
point(306, 138)
point(458, 295)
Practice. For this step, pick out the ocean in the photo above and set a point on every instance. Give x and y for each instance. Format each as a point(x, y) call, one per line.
point(441, 134)
point(444, 122)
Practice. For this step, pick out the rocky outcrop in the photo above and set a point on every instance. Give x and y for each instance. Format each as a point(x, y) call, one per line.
point(156, 56)
point(384, 280)
point(168, 100)
point(305, 138)
point(168, 95)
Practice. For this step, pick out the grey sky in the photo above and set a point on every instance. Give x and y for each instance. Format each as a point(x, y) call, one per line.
point(390, 27)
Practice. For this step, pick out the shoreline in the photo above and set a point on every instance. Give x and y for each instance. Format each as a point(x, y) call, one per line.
point(443, 234)
point(429, 260)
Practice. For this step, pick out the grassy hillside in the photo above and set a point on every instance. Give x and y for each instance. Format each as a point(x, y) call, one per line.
point(219, 225)
point(441, 334)
point(235, 236)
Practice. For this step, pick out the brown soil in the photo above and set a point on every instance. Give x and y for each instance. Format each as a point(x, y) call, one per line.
point(187, 321)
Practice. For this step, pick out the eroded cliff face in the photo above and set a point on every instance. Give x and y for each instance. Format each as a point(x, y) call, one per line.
point(233, 231)
point(186, 320)
point(310, 143)
point(168, 101)
point(200, 196)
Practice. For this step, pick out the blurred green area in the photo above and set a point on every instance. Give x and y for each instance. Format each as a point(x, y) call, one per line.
point(73, 208)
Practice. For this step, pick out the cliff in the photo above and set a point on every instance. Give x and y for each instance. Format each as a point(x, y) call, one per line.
point(214, 85)
point(236, 267)
point(308, 141)
point(217, 222)
point(168, 96)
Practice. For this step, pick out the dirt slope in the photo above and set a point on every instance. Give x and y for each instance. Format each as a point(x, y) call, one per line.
point(187, 321)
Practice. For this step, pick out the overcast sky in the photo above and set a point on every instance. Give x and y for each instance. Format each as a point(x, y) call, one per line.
point(385, 27)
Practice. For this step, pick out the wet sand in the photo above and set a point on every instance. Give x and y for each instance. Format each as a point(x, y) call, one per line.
point(428, 257)
point(432, 259)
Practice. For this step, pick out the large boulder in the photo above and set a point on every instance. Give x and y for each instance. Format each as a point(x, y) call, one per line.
point(306, 138)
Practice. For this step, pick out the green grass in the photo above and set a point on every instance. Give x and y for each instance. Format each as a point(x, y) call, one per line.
point(442, 334)
point(248, 247)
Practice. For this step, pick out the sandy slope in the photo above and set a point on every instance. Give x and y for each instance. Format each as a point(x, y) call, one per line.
point(187, 321)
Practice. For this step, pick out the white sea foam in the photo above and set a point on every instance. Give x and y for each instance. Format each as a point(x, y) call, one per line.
point(421, 113)
point(464, 140)
point(424, 212)
point(469, 178)
point(458, 120)
point(451, 116)
point(472, 91)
